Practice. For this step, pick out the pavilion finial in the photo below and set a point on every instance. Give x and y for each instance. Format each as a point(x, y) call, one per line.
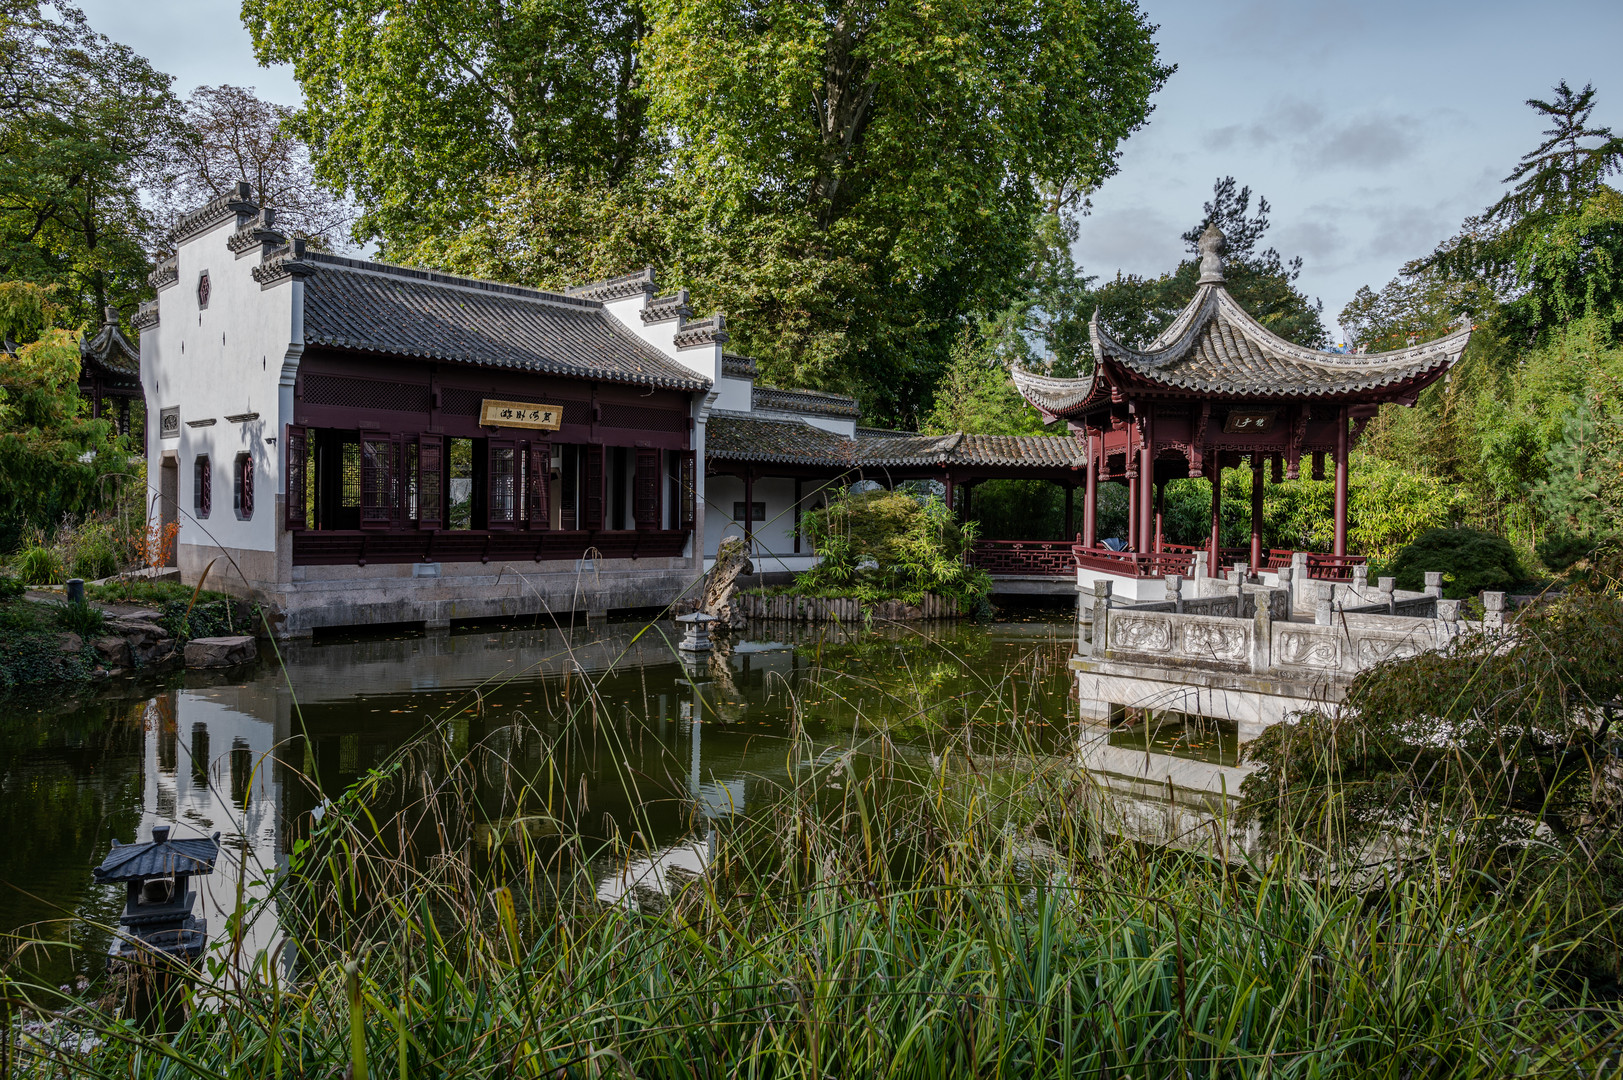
point(1211, 255)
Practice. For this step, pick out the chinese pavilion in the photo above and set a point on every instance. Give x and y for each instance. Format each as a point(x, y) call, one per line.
point(1214, 390)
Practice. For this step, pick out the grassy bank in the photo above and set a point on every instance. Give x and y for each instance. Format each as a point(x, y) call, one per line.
point(973, 906)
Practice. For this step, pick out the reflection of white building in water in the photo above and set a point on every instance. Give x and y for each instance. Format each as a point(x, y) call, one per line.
point(207, 767)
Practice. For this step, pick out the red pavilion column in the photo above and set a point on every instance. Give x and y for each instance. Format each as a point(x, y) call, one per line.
point(1146, 494)
point(1090, 501)
point(1340, 547)
point(1256, 512)
point(1213, 566)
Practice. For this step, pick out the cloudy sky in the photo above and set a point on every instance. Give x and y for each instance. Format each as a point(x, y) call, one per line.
point(1372, 127)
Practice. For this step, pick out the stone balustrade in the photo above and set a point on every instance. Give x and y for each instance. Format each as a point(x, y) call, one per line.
point(1206, 633)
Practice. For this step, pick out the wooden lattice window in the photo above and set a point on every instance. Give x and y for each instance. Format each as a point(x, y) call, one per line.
point(202, 487)
point(430, 482)
point(242, 487)
point(380, 498)
point(297, 448)
point(503, 505)
point(645, 490)
point(592, 497)
point(538, 497)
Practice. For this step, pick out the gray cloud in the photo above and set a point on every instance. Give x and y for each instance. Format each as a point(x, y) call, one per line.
point(1305, 132)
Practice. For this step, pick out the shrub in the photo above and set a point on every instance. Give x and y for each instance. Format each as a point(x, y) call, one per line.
point(11, 587)
point(94, 551)
point(83, 619)
point(885, 545)
point(1470, 561)
point(40, 565)
point(1559, 551)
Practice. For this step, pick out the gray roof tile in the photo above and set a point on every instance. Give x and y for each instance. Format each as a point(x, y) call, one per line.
point(1215, 348)
point(376, 307)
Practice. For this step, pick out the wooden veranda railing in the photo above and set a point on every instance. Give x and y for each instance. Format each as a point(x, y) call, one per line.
point(1025, 558)
point(1060, 558)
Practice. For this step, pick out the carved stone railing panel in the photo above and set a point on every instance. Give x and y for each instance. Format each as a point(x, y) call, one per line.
point(1141, 633)
point(1217, 640)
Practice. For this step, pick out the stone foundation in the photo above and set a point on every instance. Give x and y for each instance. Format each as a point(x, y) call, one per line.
point(302, 599)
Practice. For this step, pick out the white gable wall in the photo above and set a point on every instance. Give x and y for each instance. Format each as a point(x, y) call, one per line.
point(225, 359)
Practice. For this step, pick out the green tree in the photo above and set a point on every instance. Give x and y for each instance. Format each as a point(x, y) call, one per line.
point(81, 120)
point(55, 463)
point(1579, 493)
point(1134, 309)
point(415, 108)
point(848, 183)
point(976, 395)
point(1553, 244)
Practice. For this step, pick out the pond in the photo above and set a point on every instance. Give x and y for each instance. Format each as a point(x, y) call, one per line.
point(608, 715)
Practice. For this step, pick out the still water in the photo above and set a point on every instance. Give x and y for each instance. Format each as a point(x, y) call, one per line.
point(673, 746)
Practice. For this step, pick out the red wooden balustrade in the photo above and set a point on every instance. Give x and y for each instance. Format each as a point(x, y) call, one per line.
point(1025, 558)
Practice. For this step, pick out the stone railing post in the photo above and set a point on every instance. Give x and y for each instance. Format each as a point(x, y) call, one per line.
point(1262, 639)
point(1287, 582)
point(1493, 614)
point(1388, 587)
point(1240, 572)
point(1449, 612)
point(1101, 615)
point(1434, 583)
point(1175, 592)
point(1324, 605)
point(1197, 572)
point(1299, 580)
point(1361, 579)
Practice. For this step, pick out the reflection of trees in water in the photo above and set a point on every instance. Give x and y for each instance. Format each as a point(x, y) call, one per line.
point(70, 780)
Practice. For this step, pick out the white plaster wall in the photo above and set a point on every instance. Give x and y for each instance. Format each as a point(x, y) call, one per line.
point(1123, 587)
point(733, 395)
point(774, 534)
point(229, 358)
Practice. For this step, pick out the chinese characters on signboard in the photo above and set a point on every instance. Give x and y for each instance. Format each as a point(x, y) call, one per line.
point(1249, 420)
point(521, 414)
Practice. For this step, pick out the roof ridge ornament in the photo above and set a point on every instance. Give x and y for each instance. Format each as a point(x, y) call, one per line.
point(1211, 244)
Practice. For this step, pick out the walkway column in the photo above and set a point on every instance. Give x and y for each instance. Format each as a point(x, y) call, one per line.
point(1340, 547)
point(1132, 514)
point(1090, 502)
point(1256, 512)
point(947, 483)
point(1160, 513)
point(749, 511)
point(1070, 510)
point(1215, 471)
point(1146, 494)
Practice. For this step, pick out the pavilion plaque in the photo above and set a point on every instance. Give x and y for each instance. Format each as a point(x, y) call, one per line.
point(521, 414)
point(1249, 420)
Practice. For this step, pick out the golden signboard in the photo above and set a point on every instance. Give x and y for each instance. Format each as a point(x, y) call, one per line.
point(1258, 420)
point(521, 414)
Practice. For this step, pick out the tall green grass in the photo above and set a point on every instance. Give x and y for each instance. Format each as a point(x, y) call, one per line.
point(973, 907)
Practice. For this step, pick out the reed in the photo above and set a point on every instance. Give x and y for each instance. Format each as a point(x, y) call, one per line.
point(967, 907)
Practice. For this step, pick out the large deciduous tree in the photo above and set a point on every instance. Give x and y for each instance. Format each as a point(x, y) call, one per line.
point(231, 133)
point(81, 118)
point(849, 181)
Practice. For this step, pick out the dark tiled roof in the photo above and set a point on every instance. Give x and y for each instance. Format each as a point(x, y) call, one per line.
point(639, 283)
point(1215, 348)
point(1038, 451)
point(110, 350)
point(739, 367)
point(904, 447)
point(804, 401)
point(376, 307)
point(730, 436)
point(1006, 451)
point(127, 862)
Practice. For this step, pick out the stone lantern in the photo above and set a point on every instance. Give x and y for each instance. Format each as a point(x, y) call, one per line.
point(157, 917)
